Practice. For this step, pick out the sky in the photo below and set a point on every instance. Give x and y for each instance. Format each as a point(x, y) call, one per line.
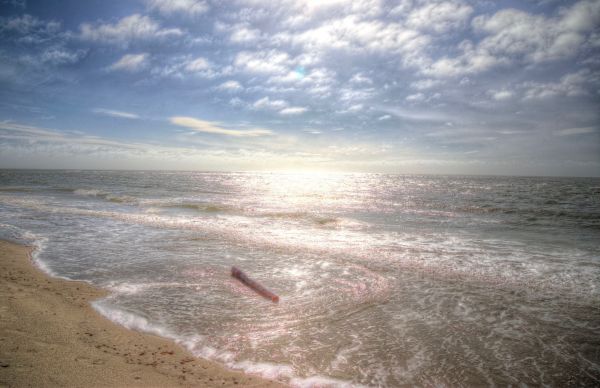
point(404, 86)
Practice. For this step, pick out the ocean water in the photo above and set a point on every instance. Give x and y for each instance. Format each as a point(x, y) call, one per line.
point(384, 280)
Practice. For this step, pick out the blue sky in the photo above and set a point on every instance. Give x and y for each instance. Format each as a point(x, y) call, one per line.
point(406, 86)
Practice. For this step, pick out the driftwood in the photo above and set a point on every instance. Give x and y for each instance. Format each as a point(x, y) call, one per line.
point(241, 276)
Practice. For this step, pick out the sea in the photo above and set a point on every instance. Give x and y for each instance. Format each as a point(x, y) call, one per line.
point(384, 280)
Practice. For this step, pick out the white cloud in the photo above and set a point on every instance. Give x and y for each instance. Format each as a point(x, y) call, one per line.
point(130, 28)
point(360, 78)
point(570, 85)
point(184, 65)
point(130, 62)
point(216, 128)
point(351, 33)
point(289, 78)
point(470, 61)
point(440, 17)
point(514, 36)
point(425, 84)
point(27, 24)
point(583, 16)
point(267, 103)
point(355, 108)
point(230, 85)
point(263, 62)
point(61, 56)
point(299, 13)
point(384, 117)
point(184, 7)
point(501, 95)
point(368, 7)
point(535, 38)
point(319, 82)
point(417, 97)
point(351, 95)
point(115, 113)
point(281, 106)
point(243, 34)
point(293, 110)
point(198, 64)
point(36, 134)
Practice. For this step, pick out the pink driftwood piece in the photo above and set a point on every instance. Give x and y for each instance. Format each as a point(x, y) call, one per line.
point(238, 274)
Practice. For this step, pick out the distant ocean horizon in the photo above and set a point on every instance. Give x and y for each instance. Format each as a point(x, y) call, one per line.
point(304, 172)
point(384, 279)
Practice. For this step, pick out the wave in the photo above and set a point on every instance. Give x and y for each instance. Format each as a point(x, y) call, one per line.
point(205, 207)
point(452, 257)
point(542, 215)
point(25, 237)
point(104, 195)
point(240, 228)
point(16, 189)
point(197, 345)
point(316, 219)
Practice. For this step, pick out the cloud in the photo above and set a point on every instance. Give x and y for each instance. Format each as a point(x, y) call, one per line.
point(472, 60)
point(299, 13)
point(281, 106)
point(198, 64)
point(115, 113)
point(27, 24)
point(230, 86)
point(61, 56)
point(427, 116)
point(27, 129)
point(182, 66)
point(35, 36)
point(439, 17)
point(263, 62)
point(130, 62)
point(360, 78)
point(570, 85)
point(42, 46)
point(417, 97)
point(128, 29)
point(216, 128)
point(425, 84)
point(184, 7)
point(36, 134)
point(350, 33)
point(515, 36)
point(267, 103)
point(355, 108)
point(575, 131)
point(503, 69)
point(501, 95)
point(242, 33)
point(351, 95)
point(318, 82)
point(293, 110)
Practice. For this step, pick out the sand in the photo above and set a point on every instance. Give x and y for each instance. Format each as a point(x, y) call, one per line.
point(51, 336)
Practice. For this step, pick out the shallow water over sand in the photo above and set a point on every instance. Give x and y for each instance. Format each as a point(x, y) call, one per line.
point(383, 279)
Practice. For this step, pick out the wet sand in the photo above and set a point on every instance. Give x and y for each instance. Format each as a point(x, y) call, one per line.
point(51, 336)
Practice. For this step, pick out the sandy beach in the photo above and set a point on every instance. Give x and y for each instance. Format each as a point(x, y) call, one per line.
point(50, 336)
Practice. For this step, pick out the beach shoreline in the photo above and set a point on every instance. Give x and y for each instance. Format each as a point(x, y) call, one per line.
point(51, 335)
